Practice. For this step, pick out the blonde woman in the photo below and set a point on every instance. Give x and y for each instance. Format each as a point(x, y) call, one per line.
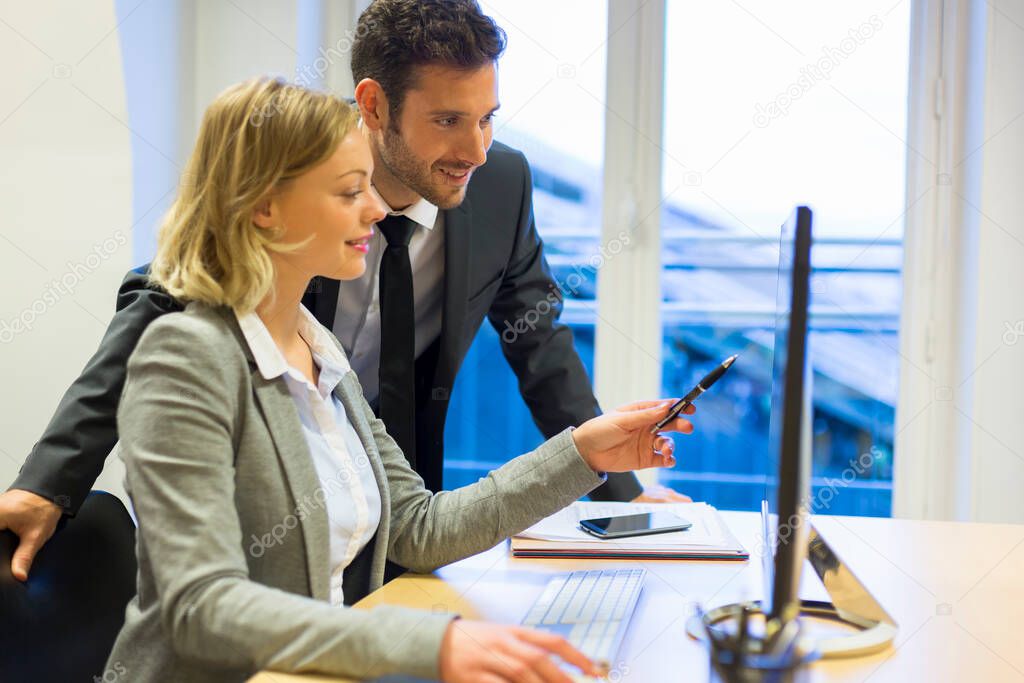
point(268, 495)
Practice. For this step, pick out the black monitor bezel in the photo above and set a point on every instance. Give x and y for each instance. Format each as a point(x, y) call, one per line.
point(794, 457)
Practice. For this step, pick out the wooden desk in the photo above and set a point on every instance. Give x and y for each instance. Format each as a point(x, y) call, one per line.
point(956, 590)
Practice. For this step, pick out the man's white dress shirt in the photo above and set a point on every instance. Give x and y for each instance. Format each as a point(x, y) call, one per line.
point(357, 320)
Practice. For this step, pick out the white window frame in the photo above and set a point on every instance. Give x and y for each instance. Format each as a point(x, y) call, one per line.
point(958, 453)
point(628, 338)
point(628, 335)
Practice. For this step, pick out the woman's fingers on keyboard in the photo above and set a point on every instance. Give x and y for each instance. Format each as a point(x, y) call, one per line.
point(535, 663)
point(561, 647)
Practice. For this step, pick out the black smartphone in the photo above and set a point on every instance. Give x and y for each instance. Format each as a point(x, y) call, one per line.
point(635, 525)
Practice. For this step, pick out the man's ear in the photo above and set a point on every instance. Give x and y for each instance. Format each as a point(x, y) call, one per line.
point(372, 103)
point(263, 214)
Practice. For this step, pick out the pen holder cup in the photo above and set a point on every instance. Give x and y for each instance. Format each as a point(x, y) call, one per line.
point(758, 659)
point(754, 669)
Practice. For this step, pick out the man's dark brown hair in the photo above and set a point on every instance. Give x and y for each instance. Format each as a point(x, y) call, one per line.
point(393, 37)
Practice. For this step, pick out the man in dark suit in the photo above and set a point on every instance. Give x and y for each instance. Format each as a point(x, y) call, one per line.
point(459, 245)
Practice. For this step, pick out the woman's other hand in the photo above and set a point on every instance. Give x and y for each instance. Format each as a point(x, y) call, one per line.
point(479, 652)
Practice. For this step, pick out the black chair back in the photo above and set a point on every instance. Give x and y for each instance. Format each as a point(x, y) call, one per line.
point(61, 624)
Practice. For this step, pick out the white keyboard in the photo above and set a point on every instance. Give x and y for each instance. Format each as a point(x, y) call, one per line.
point(591, 609)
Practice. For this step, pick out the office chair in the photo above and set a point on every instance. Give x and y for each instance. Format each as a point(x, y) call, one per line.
point(61, 624)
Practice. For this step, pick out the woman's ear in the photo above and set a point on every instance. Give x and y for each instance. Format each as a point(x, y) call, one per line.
point(263, 214)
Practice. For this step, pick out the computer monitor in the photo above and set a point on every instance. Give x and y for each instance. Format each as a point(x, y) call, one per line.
point(794, 538)
point(789, 431)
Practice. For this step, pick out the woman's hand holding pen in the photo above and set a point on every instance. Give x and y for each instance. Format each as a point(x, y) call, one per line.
point(621, 441)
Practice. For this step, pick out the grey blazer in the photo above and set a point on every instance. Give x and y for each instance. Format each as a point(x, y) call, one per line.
point(233, 538)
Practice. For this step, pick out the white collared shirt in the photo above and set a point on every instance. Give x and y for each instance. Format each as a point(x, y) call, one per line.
point(357, 318)
point(349, 488)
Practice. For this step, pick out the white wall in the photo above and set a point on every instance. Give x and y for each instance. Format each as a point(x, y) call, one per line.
point(194, 49)
point(83, 162)
point(65, 188)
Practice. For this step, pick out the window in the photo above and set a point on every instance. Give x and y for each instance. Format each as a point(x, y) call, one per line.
point(551, 86)
point(767, 108)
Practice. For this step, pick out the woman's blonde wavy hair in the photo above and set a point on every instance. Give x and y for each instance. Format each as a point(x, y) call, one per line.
point(254, 138)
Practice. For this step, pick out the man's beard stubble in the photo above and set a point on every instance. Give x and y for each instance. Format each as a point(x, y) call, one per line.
point(411, 171)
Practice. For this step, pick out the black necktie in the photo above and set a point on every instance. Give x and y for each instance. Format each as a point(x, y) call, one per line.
point(397, 336)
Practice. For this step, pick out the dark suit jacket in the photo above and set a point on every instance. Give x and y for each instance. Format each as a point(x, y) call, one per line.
point(494, 268)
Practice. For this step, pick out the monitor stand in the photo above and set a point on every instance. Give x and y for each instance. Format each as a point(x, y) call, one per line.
point(852, 604)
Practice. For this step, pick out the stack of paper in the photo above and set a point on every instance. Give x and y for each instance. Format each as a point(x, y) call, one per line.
point(561, 536)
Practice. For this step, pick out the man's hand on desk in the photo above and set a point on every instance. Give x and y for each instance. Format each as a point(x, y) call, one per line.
point(661, 494)
point(478, 652)
point(33, 518)
point(621, 440)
